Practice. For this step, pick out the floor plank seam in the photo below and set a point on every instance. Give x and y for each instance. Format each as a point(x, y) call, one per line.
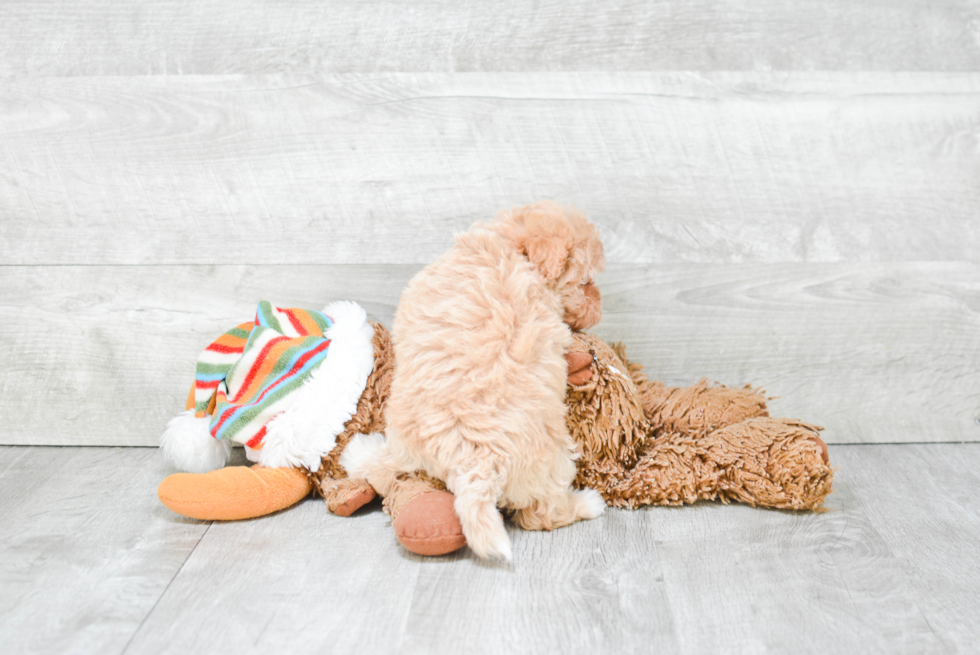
point(830, 444)
point(164, 592)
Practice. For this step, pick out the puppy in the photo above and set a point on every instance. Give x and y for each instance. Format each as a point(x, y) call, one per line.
point(477, 394)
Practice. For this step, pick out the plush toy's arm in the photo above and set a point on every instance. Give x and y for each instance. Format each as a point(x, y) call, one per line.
point(648, 444)
point(345, 496)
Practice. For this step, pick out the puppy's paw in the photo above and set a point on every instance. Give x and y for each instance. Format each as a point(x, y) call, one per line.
point(590, 504)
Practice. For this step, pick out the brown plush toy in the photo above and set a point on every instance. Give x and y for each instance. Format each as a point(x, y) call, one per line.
point(642, 443)
point(647, 444)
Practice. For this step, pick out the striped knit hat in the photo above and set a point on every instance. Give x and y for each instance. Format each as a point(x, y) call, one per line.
point(283, 386)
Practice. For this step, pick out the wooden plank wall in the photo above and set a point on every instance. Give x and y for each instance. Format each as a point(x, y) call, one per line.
point(789, 194)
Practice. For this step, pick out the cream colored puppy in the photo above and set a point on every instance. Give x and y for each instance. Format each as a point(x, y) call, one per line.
point(477, 394)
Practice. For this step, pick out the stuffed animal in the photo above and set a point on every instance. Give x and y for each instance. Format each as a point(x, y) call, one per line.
point(647, 444)
point(642, 443)
point(292, 387)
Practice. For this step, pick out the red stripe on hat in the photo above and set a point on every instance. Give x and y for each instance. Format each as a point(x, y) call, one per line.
point(300, 363)
point(294, 321)
point(257, 439)
point(297, 367)
point(256, 365)
point(218, 348)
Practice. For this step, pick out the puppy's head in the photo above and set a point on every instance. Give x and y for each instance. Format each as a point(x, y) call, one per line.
point(565, 249)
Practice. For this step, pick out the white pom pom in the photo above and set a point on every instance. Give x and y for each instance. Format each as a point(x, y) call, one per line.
point(188, 444)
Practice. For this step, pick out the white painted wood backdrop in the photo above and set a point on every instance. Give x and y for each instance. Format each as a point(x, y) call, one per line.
point(790, 195)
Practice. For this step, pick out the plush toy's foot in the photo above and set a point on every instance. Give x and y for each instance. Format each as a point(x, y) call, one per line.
point(346, 496)
point(428, 525)
point(234, 493)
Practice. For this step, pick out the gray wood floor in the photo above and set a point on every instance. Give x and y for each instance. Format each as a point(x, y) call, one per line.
point(789, 193)
point(91, 562)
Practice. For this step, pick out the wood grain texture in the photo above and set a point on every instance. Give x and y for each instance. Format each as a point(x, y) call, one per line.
point(620, 583)
point(724, 167)
point(169, 37)
point(874, 352)
point(740, 580)
point(86, 549)
point(891, 569)
point(922, 500)
point(303, 580)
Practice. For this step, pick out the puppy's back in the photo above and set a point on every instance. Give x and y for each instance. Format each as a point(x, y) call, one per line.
point(477, 334)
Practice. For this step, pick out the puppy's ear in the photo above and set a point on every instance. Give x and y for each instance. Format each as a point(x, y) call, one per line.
point(548, 254)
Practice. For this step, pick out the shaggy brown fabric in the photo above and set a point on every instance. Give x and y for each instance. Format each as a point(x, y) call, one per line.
point(647, 444)
point(605, 417)
point(761, 461)
point(642, 443)
point(699, 409)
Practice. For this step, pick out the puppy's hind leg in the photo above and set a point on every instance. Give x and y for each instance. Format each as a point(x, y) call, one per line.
point(476, 506)
point(553, 502)
point(563, 508)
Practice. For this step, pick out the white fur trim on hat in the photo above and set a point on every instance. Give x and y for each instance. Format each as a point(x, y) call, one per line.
point(307, 429)
point(188, 444)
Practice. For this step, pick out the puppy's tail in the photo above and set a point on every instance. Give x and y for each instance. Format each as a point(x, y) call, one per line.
point(366, 457)
point(483, 526)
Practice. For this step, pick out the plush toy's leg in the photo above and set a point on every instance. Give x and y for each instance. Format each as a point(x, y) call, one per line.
point(424, 516)
point(346, 495)
point(234, 493)
point(762, 461)
point(697, 409)
point(700, 408)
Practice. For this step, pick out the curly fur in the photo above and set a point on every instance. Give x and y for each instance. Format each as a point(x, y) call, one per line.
point(477, 394)
point(647, 444)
